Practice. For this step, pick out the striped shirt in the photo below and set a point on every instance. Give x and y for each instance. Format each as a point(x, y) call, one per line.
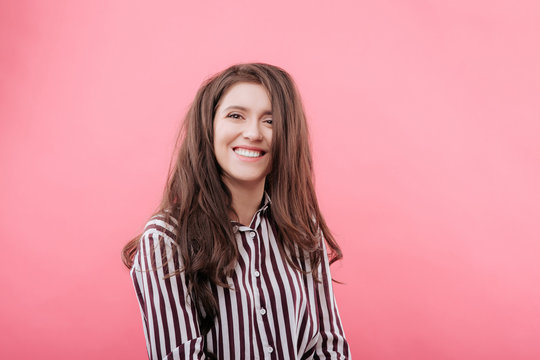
point(273, 311)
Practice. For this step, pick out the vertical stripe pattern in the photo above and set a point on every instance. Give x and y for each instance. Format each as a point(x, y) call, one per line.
point(272, 311)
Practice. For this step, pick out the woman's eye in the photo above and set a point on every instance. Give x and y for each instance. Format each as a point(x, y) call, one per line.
point(234, 116)
point(268, 121)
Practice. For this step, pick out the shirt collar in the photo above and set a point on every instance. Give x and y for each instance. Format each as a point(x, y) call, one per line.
point(266, 202)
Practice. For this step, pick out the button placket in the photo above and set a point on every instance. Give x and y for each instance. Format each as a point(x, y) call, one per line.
point(258, 292)
point(253, 235)
point(258, 281)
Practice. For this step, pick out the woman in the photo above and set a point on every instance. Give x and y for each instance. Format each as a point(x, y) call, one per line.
point(233, 265)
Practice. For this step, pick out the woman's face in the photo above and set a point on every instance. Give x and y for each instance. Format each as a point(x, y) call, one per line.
point(243, 134)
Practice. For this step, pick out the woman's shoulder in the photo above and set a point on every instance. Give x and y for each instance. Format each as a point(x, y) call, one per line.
point(162, 224)
point(159, 234)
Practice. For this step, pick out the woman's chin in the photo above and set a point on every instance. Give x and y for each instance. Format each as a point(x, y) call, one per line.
point(246, 180)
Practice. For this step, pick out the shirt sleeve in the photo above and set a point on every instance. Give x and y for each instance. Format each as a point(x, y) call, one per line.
point(331, 343)
point(169, 319)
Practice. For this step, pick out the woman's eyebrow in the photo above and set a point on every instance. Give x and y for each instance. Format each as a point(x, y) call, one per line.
point(238, 107)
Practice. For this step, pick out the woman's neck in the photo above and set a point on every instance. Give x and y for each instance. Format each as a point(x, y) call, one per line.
point(246, 200)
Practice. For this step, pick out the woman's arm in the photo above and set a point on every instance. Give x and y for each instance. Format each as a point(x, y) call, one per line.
point(170, 322)
point(331, 343)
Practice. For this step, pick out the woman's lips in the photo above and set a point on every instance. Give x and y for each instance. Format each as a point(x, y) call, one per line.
point(249, 153)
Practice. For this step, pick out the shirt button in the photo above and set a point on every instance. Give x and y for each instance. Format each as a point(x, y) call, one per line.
point(252, 234)
point(270, 349)
point(257, 274)
point(263, 311)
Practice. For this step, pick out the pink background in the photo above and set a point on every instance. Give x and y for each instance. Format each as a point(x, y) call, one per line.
point(425, 121)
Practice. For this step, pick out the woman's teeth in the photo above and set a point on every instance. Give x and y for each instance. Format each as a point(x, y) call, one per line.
point(247, 153)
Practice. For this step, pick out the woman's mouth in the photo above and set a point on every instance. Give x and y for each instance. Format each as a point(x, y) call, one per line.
point(248, 153)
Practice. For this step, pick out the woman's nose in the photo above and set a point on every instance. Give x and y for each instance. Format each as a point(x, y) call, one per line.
point(252, 130)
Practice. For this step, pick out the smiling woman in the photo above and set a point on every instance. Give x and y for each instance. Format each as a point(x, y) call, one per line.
point(234, 265)
point(242, 141)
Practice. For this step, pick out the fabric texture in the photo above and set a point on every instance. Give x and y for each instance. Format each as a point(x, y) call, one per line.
point(273, 311)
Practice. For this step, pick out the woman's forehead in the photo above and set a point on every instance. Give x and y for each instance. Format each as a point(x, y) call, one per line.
point(245, 96)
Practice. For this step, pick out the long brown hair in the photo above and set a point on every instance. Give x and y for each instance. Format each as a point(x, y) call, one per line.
point(197, 198)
